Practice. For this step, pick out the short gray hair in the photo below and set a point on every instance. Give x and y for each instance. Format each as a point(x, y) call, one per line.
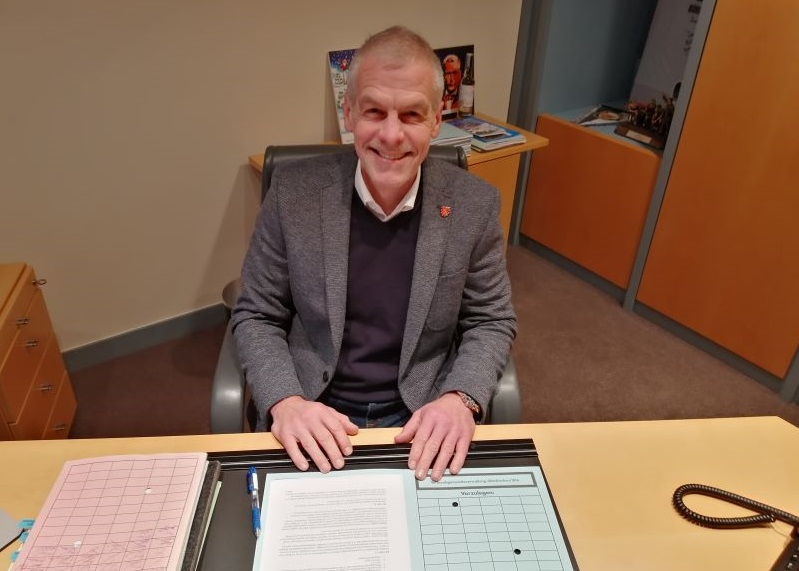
point(397, 44)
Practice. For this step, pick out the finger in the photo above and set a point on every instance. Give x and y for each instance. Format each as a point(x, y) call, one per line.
point(317, 456)
point(459, 459)
point(443, 457)
point(294, 452)
point(430, 450)
point(409, 430)
point(329, 447)
point(420, 438)
point(350, 428)
point(334, 441)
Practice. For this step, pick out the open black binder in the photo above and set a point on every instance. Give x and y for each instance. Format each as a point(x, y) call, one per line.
point(230, 543)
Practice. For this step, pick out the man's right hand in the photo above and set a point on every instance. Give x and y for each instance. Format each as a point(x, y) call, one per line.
point(300, 424)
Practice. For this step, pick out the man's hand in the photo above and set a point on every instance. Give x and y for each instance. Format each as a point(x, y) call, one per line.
point(321, 431)
point(440, 430)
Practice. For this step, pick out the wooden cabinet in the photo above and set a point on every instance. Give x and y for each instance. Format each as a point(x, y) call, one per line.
point(500, 168)
point(723, 259)
point(587, 197)
point(36, 397)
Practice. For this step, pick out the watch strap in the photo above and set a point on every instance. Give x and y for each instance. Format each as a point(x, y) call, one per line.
point(470, 403)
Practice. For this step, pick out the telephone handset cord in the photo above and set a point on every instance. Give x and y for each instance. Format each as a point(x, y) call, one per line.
point(765, 513)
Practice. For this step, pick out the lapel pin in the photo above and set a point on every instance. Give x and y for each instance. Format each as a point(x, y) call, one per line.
point(444, 211)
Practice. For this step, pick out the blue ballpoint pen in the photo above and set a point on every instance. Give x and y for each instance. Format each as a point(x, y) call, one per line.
point(255, 507)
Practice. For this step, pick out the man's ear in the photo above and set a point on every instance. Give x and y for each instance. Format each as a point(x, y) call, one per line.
point(438, 119)
point(347, 113)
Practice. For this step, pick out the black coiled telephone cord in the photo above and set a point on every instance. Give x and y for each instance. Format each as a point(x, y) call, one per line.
point(765, 514)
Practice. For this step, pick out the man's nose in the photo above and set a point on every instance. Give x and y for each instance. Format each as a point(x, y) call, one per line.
point(391, 130)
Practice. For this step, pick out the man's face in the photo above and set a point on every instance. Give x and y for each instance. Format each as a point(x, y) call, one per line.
point(452, 76)
point(393, 115)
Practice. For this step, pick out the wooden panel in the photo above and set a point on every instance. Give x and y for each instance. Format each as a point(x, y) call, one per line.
point(502, 173)
point(27, 348)
point(63, 413)
point(5, 431)
point(42, 395)
point(17, 285)
point(587, 197)
point(9, 276)
point(723, 259)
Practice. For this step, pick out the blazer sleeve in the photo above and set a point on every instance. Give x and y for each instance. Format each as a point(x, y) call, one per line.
point(486, 321)
point(263, 315)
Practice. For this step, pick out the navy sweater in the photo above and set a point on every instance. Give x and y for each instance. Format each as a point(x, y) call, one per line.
point(379, 279)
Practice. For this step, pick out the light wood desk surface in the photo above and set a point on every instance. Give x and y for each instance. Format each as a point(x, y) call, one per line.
point(612, 483)
point(533, 143)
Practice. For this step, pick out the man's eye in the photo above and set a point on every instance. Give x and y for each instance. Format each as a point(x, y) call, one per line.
point(372, 112)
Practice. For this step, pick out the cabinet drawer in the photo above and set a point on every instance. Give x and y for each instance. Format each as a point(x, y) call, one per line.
point(5, 431)
point(41, 399)
point(19, 301)
point(63, 413)
point(22, 360)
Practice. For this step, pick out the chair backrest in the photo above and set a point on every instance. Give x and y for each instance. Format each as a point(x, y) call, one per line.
point(277, 154)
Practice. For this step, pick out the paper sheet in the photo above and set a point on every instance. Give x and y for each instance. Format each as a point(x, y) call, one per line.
point(488, 519)
point(130, 511)
point(335, 522)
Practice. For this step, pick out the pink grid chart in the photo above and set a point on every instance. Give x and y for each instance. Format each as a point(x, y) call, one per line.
point(125, 513)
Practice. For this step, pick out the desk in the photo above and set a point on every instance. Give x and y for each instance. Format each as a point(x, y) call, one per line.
point(499, 168)
point(612, 483)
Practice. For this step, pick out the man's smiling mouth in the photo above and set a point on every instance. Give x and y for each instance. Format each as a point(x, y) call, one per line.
point(390, 156)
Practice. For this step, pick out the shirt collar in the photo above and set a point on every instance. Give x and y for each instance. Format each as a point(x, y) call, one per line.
point(407, 203)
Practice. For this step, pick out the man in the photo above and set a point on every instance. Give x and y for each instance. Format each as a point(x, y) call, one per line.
point(374, 292)
point(452, 81)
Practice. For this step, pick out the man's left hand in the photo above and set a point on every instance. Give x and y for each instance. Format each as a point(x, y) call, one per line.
point(441, 431)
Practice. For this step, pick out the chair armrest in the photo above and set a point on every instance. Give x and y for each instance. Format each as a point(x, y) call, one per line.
point(506, 406)
point(227, 391)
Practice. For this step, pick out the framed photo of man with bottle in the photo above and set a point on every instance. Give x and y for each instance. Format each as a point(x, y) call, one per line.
point(457, 64)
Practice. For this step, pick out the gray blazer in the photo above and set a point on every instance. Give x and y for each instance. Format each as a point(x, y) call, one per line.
point(289, 320)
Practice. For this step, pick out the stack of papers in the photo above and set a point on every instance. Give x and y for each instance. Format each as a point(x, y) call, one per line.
point(124, 512)
point(452, 136)
point(488, 136)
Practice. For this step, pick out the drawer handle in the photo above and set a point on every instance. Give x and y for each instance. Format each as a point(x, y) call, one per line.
point(39, 282)
point(23, 321)
point(46, 388)
point(32, 343)
point(59, 427)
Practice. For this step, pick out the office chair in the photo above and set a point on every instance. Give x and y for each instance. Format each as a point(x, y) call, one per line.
point(229, 399)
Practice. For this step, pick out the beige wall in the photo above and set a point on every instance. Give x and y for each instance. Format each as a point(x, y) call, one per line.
point(125, 128)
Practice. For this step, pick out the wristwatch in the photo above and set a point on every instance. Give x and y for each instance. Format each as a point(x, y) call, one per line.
point(471, 404)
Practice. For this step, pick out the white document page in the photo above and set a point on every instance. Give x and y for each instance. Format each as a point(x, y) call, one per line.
point(352, 521)
point(486, 519)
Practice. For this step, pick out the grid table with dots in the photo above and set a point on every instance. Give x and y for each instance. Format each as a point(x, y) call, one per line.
point(482, 521)
point(116, 513)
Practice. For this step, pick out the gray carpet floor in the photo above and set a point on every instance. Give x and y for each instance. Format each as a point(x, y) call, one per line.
point(579, 357)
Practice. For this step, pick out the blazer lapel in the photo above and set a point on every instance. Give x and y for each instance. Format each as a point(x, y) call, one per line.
point(336, 206)
point(434, 228)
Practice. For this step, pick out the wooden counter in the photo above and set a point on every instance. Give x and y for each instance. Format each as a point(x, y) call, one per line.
point(612, 483)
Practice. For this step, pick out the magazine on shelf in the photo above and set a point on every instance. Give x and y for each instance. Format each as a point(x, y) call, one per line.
point(603, 115)
point(452, 136)
point(453, 65)
point(339, 64)
point(487, 136)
